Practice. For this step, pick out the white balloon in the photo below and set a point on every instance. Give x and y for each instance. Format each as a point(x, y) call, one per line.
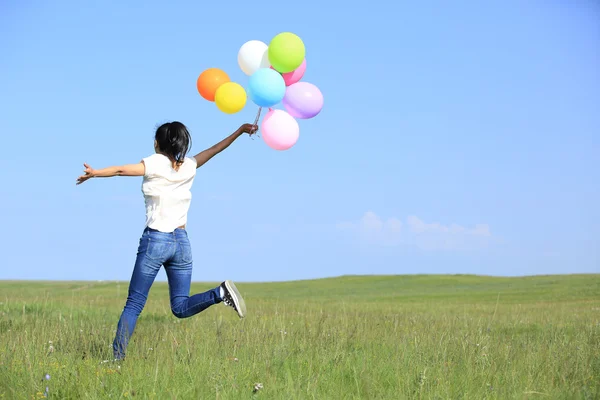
point(252, 56)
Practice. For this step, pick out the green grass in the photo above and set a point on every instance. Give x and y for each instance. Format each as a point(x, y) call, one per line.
point(374, 337)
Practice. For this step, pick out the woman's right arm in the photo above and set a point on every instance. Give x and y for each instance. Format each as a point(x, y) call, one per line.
point(204, 156)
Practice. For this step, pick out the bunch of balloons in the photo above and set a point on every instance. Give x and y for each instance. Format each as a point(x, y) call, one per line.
point(275, 71)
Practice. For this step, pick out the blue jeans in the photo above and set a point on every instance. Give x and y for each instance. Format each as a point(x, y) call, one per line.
point(174, 252)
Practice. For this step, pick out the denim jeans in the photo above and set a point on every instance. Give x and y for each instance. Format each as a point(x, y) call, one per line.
point(173, 251)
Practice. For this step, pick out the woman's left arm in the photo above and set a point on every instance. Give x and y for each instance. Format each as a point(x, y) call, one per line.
point(123, 170)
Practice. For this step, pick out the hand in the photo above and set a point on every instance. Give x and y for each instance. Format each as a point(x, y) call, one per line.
point(89, 173)
point(248, 128)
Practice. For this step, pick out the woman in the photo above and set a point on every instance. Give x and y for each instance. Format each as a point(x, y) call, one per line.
point(168, 177)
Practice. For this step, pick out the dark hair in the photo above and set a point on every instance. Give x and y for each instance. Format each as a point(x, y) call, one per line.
point(173, 140)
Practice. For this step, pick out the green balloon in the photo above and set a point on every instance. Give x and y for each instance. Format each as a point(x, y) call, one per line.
point(286, 52)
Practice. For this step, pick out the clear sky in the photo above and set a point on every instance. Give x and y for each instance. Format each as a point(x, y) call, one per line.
point(456, 137)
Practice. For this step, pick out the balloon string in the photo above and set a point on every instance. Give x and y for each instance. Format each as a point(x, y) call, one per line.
point(256, 121)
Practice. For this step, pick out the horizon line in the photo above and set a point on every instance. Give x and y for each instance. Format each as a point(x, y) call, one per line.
point(32, 280)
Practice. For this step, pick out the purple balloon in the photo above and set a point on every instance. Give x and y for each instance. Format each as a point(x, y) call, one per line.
point(303, 100)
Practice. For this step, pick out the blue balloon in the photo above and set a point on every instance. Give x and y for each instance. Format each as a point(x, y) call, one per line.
point(266, 87)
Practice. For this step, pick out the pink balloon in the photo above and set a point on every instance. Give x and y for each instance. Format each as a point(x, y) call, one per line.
point(279, 130)
point(292, 77)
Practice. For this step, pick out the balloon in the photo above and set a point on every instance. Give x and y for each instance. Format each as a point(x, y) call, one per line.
point(292, 77)
point(252, 56)
point(230, 97)
point(209, 81)
point(286, 52)
point(266, 87)
point(280, 130)
point(303, 100)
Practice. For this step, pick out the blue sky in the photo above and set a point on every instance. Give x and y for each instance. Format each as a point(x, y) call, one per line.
point(456, 137)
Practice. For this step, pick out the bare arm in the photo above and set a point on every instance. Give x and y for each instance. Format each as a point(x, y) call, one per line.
point(204, 156)
point(122, 170)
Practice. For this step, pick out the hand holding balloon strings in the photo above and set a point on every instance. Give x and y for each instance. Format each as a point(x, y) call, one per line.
point(256, 123)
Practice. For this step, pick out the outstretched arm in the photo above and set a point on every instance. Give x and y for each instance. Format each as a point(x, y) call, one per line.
point(123, 170)
point(204, 156)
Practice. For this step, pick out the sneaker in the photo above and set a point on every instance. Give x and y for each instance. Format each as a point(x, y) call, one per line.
point(233, 298)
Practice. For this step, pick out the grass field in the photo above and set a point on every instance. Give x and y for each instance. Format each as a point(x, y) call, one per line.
point(373, 337)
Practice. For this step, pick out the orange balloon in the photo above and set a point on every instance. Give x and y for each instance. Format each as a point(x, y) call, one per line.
point(209, 81)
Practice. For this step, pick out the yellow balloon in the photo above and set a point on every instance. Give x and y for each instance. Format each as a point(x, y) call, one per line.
point(230, 97)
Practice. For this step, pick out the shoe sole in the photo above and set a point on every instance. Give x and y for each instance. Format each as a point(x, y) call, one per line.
point(237, 298)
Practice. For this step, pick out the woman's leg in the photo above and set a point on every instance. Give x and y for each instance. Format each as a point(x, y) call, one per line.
point(179, 274)
point(151, 252)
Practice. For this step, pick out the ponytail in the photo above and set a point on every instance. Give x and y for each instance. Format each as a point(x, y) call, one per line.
point(173, 140)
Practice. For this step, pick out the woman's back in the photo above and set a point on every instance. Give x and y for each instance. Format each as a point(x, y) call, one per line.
point(167, 191)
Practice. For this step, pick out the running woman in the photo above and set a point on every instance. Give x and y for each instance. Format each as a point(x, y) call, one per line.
point(168, 176)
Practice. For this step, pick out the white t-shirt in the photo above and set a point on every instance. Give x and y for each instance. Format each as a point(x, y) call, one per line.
point(167, 192)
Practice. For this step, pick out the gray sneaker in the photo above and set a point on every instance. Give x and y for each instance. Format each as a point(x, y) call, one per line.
point(233, 298)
